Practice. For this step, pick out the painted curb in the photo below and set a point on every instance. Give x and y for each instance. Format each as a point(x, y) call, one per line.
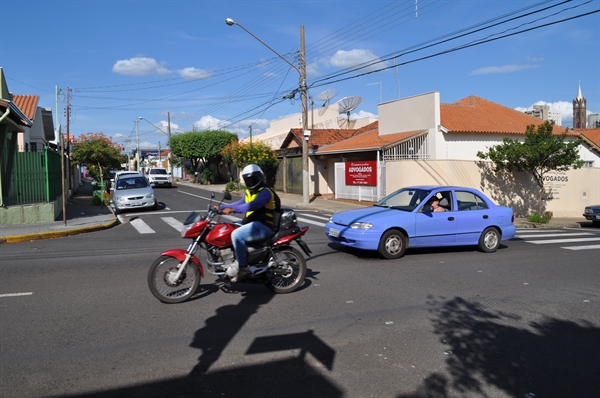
point(56, 234)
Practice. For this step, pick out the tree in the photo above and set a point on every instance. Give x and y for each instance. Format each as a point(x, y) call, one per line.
point(540, 153)
point(99, 153)
point(202, 148)
point(243, 154)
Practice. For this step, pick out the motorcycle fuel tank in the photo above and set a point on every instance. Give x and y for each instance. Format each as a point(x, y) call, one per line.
point(220, 235)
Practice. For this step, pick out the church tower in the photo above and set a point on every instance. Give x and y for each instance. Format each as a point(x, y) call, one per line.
point(579, 111)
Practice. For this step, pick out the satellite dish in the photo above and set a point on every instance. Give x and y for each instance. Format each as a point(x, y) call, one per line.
point(348, 104)
point(326, 96)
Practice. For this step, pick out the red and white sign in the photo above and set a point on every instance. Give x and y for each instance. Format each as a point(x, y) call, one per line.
point(361, 173)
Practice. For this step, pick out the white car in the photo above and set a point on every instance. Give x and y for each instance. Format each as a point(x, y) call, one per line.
point(158, 176)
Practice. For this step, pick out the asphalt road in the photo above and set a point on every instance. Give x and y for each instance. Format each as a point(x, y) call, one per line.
point(77, 320)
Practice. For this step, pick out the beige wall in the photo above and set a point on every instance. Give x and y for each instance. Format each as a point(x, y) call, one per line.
point(570, 191)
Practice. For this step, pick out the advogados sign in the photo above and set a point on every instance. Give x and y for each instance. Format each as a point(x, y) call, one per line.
point(361, 173)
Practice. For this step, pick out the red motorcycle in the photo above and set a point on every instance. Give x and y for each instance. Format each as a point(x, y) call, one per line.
point(176, 274)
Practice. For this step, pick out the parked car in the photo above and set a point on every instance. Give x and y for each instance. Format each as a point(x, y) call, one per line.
point(406, 219)
point(592, 213)
point(133, 192)
point(118, 174)
point(158, 176)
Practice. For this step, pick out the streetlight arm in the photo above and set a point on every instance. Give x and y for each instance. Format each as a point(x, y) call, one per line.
point(231, 22)
point(158, 128)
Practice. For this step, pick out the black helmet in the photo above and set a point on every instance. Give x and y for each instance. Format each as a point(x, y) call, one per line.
point(253, 176)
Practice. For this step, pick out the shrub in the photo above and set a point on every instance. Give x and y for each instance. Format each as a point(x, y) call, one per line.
point(542, 219)
point(234, 186)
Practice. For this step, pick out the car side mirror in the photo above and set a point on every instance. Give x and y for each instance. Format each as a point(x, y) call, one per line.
point(427, 209)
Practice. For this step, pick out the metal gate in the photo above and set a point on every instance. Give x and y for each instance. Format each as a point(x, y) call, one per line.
point(289, 175)
point(359, 192)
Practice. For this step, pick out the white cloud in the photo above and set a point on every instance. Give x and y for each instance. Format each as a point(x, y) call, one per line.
point(362, 114)
point(192, 73)
point(348, 59)
point(210, 123)
point(345, 59)
point(502, 69)
point(139, 66)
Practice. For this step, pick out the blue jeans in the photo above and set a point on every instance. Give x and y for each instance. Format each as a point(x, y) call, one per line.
point(250, 232)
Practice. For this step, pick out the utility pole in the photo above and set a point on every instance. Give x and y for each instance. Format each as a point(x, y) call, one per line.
point(170, 150)
point(128, 141)
point(306, 131)
point(68, 111)
point(250, 134)
point(159, 157)
point(137, 145)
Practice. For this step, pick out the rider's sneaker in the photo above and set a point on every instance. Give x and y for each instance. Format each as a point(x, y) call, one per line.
point(241, 274)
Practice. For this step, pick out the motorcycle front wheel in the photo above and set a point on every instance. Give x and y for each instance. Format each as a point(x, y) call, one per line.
point(164, 286)
point(290, 275)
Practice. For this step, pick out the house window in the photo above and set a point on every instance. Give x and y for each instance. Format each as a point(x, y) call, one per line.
point(33, 147)
point(588, 163)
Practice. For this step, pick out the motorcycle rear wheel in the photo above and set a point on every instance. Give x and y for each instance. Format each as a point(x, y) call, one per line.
point(168, 291)
point(293, 277)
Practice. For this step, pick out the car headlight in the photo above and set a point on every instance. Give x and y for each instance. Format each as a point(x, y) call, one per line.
point(150, 195)
point(331, 219)
point(361, 225)
point(588, 210)
point(121, 199)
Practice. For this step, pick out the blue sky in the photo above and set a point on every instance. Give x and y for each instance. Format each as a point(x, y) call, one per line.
point(126, 59)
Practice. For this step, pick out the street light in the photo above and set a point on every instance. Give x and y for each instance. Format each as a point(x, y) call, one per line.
point(302, 89)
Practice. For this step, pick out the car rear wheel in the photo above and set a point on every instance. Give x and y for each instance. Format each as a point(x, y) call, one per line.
point(489, 240)
point(392, 244)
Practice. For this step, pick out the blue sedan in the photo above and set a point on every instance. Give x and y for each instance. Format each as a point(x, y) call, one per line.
point(424, 216)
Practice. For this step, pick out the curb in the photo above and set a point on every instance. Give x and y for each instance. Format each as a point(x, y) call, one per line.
point(531, 225)
point(56, 234)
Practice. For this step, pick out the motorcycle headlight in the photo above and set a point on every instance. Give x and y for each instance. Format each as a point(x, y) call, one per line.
point(361, 225)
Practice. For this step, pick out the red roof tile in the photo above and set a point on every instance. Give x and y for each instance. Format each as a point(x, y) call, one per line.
point(27, 104)
point(591, 136)
point(477, 115)
point(369, 140)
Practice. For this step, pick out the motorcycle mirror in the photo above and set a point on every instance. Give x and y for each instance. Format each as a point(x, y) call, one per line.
point(226, 196)
point(212, 195)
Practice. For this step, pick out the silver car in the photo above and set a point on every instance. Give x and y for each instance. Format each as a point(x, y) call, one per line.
point(133, 192)
point(592, 213)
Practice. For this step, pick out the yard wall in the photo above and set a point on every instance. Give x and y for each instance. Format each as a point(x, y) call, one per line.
point(567, 193)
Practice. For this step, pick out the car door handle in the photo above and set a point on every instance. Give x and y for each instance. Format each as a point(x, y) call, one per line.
point(450, 218)
point(485, 217)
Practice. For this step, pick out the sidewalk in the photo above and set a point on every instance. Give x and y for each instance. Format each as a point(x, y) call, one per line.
point(83, 216)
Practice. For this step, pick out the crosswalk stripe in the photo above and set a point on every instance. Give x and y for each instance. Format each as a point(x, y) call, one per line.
point(552, 235)
point(315, 216)
point(141, 226)
point(178, 225)
point(551, 241)
point(310, 221)
point(589, 247)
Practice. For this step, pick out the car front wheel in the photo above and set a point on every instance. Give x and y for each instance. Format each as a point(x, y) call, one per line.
point(392, 244)
point(489, 240)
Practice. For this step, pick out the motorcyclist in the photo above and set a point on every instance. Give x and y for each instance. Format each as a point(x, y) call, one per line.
point(260, 206)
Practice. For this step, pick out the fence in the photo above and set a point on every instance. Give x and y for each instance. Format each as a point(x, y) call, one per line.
point(359, 192)
point(33, 177)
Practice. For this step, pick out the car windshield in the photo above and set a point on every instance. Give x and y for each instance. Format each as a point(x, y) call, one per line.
point(131, 183)
point(158, 171)
point(404, 199)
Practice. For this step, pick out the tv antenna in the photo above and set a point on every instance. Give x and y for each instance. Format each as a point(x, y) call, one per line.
point(348, 104)
point(326, 96)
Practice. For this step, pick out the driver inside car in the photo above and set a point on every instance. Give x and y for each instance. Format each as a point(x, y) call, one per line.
point(260, 205)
